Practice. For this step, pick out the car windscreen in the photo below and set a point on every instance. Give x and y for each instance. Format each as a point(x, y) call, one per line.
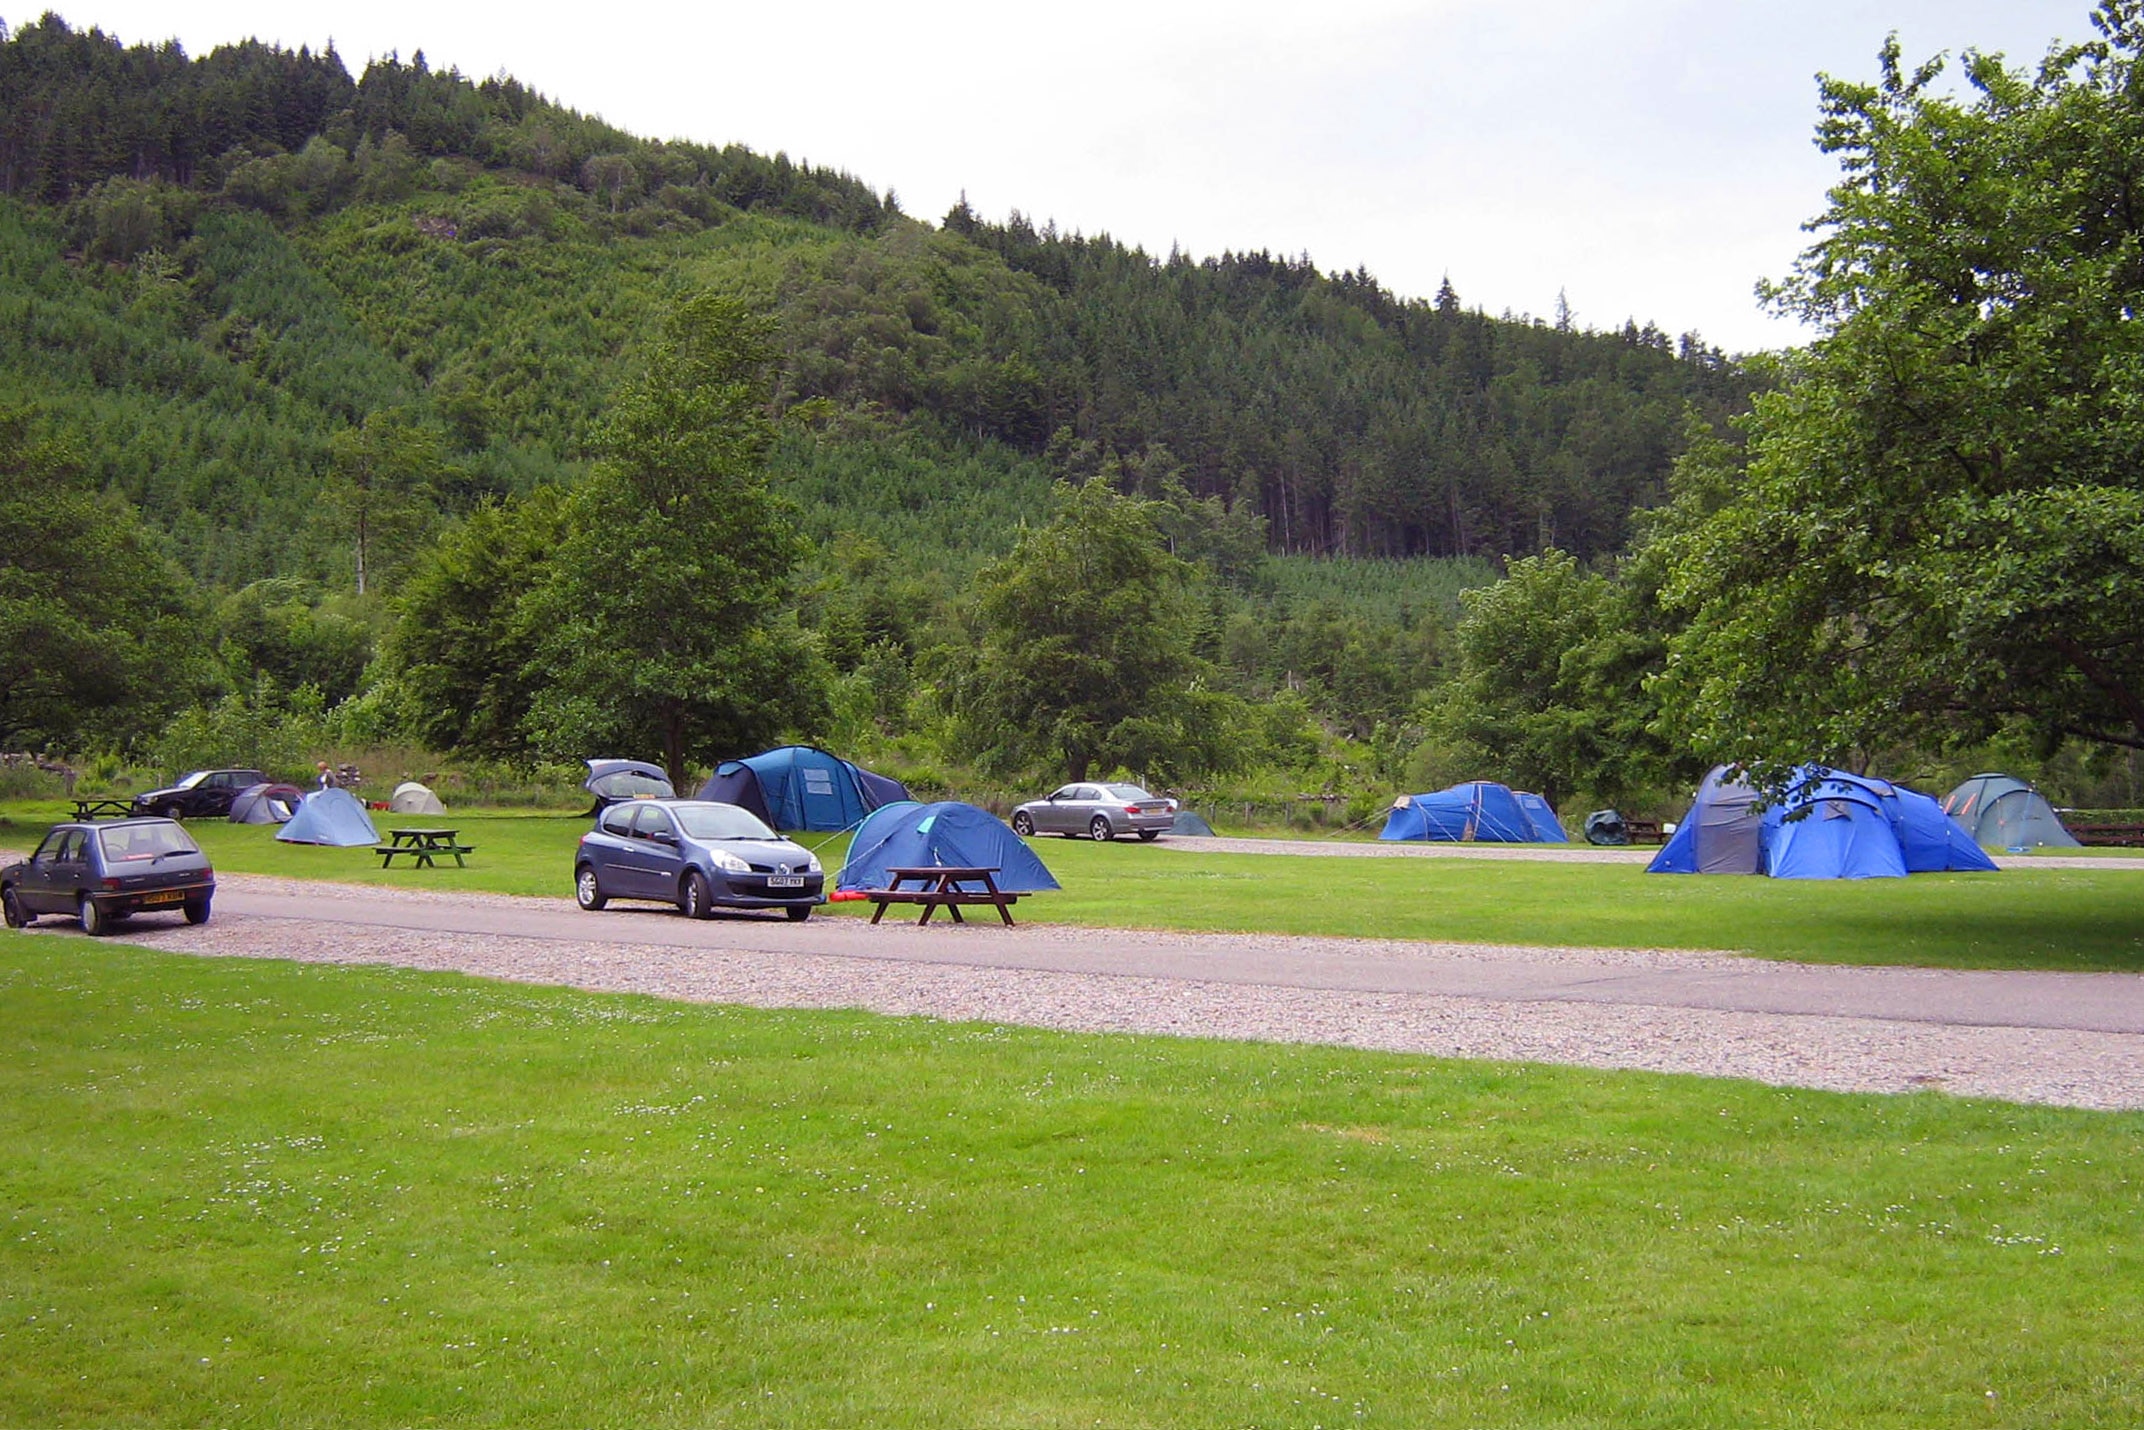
point(1130, 792)
point(189, 781)
point(719, 821)
point(124, 842)
point(628, 784)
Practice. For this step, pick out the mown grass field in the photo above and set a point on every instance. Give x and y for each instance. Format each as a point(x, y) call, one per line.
point(2061, 919)
point(254, 1194)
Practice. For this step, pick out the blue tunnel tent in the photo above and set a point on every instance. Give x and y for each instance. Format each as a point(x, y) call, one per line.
point(907, 835)
point(802, 787)
point(1831, 825)
point(330, 816)
point(2006, 812)
point(1482, 811)
point(266, 804)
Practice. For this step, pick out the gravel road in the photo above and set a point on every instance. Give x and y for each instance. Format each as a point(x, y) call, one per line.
point(2068, 1039)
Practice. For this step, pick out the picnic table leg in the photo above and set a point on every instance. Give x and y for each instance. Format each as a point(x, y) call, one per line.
point(878, 910)
point(1004, 912)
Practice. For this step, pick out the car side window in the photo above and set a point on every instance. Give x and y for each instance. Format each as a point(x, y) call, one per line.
point(1087, 794)
point(49, 851)
point(73, 847)
point(652, 821)
point(1065, 792)
point(618, 820)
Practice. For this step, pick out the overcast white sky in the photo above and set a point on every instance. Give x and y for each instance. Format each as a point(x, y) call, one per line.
point(1650, 158)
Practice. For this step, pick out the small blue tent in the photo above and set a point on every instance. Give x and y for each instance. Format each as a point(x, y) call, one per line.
point(802, 787)
point(908, 835)
point(1831, 825)
point(1482, 811)
point(330, 816)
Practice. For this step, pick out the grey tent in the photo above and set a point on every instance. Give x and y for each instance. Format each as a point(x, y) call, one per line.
point(2007, 813)
point(266, 804)
point(1191, 824)
point(413, 798)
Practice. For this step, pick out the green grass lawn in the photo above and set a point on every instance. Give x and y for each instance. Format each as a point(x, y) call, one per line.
point(2063, 919)
point(253, 1194)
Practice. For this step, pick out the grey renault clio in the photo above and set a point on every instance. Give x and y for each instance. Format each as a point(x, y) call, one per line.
point(697, 854)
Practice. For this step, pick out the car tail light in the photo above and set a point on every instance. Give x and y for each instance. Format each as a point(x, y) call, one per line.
point(110, 883)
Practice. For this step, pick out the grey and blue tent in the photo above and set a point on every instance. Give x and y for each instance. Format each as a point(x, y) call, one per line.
point(949, 834)
point(802, 787)
point(1481, 811)
point(1829, 825)
point(330, 816)
point(2006, 812)
point(266, 804)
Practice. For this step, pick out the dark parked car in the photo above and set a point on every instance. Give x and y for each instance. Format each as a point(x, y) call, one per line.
point(696, 854)
point(1096, 810)
point(204, 794)
point(102, 873)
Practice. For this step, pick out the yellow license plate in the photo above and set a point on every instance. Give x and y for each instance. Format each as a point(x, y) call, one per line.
point(168, 896)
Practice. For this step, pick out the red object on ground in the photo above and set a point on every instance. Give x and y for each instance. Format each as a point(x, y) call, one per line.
point(843, 896)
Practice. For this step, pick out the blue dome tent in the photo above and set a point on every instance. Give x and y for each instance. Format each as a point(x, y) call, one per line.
point(2007, 813)
point(802, 787)
point(1483, 811)
point(330, 816)
point(1854, 827)
point(909, 835)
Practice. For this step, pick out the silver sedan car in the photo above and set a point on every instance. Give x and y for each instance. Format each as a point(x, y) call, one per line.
point(1098, 811)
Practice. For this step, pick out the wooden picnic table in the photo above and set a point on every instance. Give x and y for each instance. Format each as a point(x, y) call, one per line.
point(423, 846)
point(103, 806)
point(939, 886)
point(1644, 831)
point(2114, 836)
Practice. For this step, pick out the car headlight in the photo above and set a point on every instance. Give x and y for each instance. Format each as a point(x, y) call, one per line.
point(811, 864)
point(727, 862)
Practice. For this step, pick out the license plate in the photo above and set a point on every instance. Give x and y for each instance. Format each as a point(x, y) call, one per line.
point(785, 881)
point(168, 896)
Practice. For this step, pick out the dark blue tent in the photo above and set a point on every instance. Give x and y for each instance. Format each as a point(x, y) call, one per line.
point(908, 835)
point(1482, 811)
point(330, 816)
point(1541, 817)
point(1831, 825)
point(802, 787)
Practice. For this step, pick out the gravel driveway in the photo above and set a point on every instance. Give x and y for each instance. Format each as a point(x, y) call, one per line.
point(2069, 1039)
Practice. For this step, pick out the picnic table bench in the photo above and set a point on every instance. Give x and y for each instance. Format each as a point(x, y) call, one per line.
point(2108, 835)
point(422, 846)
point(1644, 831)
point(938, 886)
point(102, 806)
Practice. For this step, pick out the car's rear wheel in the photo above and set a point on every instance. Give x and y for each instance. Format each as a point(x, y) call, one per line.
point(95, 921)
point(695, 898)
point(1148, 835)
point(1099, 831)
point(11, 910)
point(587, 892)
point(168, 811)
point(1023, 825)
point(197, 911)
point(798, 913)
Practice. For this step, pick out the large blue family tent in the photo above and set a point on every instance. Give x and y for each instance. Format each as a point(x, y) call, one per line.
point(1483, 812)
point(1830, 825)
point(908, 835)
point(802, 787)
point(330, 816)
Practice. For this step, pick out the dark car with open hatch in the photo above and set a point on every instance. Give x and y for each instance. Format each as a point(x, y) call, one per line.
point(697, 854)
point(102, 873)
point(204, 794)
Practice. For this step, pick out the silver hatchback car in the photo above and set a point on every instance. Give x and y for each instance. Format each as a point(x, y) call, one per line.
point(1098, 811)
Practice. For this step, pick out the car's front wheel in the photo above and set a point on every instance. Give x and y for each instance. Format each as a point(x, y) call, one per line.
point(12, 911)
point(1099, 831)
point(95, 921)
point(695, 898)
point(586, 891)
point(197, 910)
point(1023, 824)
point(799, 912)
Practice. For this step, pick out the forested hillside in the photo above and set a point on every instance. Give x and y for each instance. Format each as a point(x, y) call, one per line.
point(309, 324)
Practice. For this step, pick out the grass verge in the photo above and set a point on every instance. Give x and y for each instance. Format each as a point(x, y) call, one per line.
point(260, 1194)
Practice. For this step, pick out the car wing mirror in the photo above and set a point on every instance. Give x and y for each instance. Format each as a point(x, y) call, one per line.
point(663, 836)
